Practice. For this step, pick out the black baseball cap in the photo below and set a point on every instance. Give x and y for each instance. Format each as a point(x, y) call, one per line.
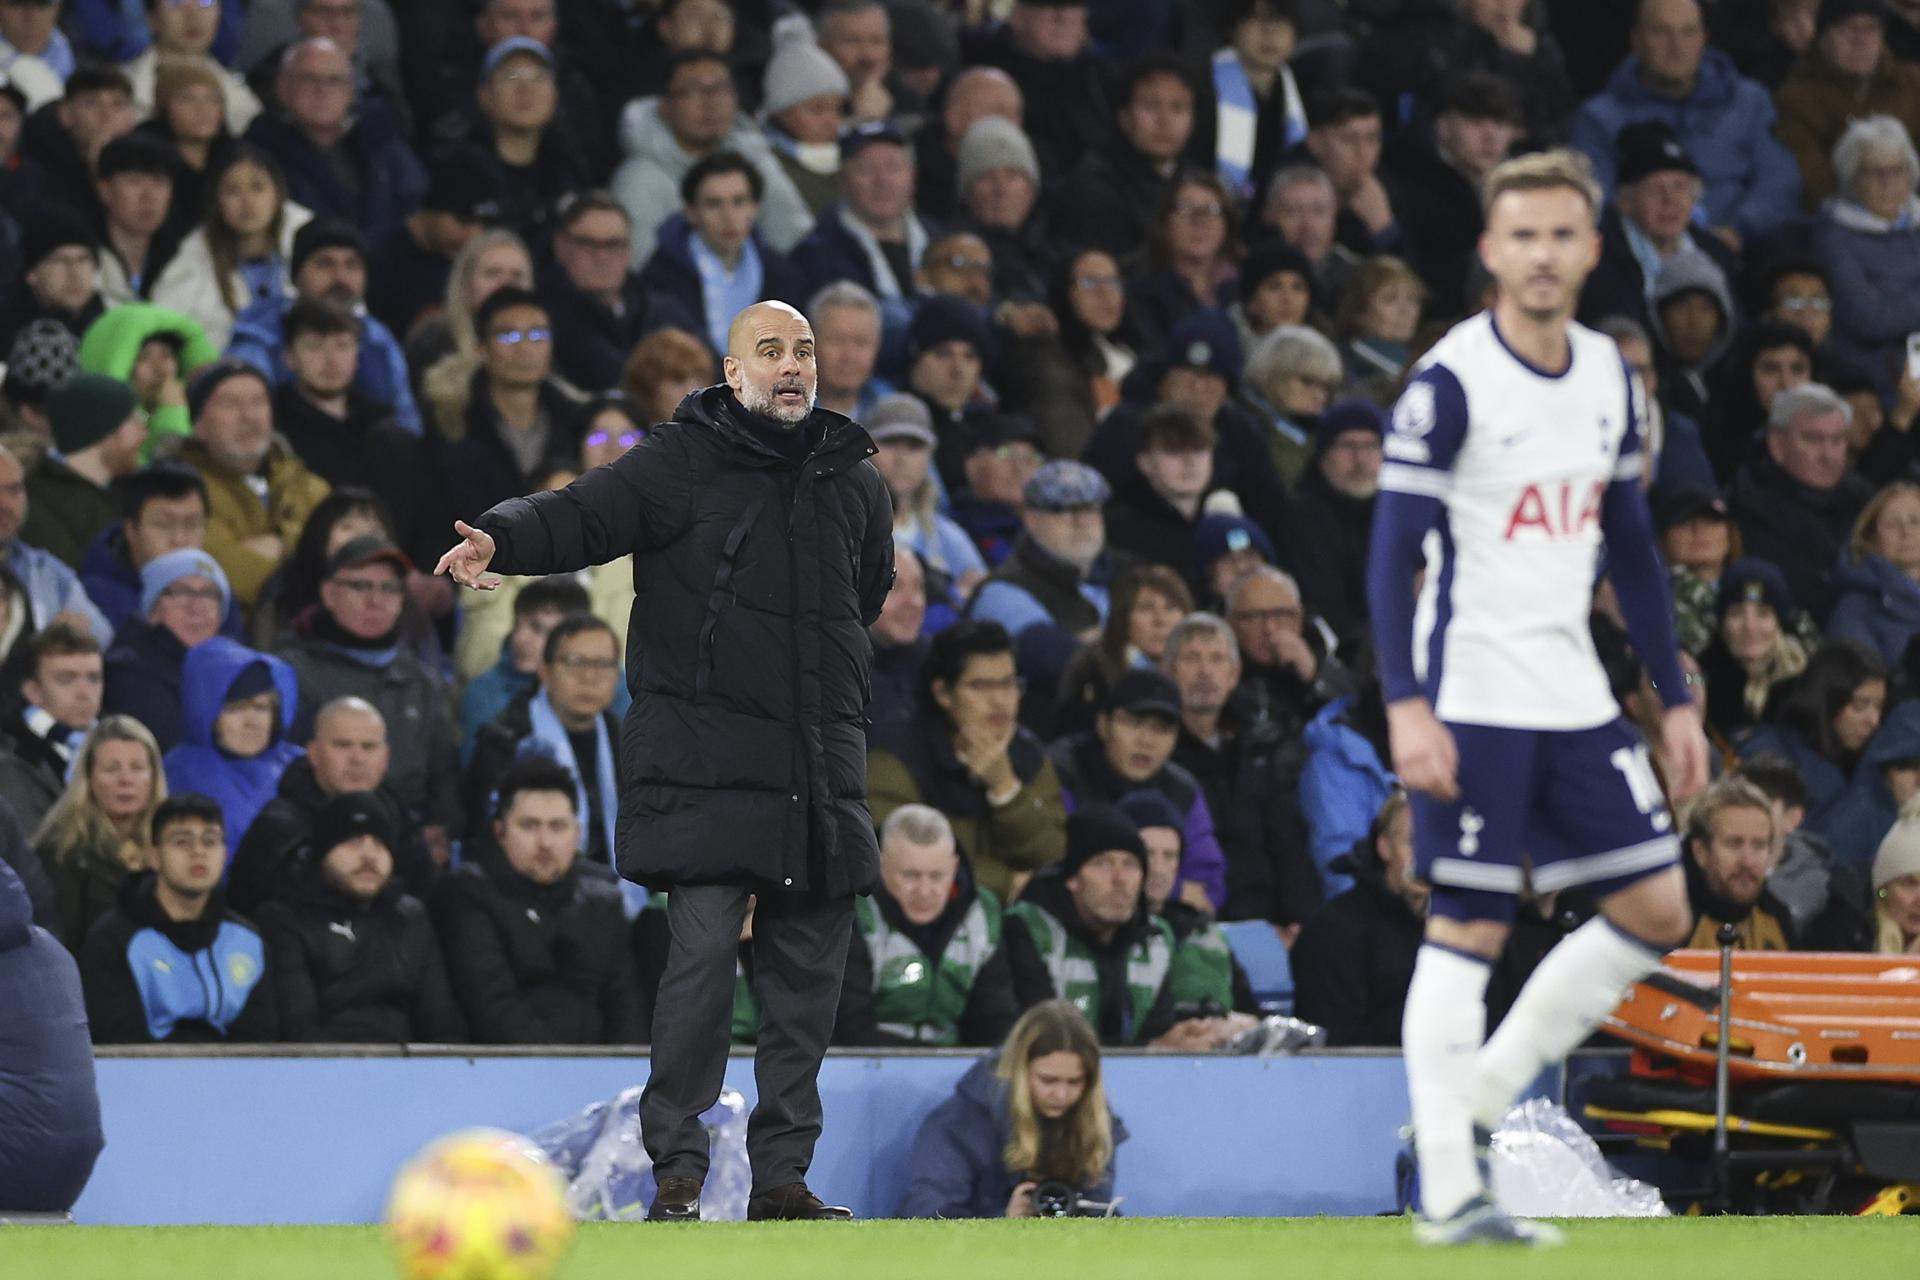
point(1144, 691)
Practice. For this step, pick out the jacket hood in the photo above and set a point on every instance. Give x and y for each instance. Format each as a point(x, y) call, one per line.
point(1719, 79)
point(1688, 271)
point(1875, 574)
point(1898, 737)
point(843, 442)
point(211, 669)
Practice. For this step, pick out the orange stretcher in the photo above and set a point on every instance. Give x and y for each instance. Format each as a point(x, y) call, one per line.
point(1794, 1015)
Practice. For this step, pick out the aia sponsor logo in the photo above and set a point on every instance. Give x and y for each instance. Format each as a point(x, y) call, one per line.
point(1555, 512)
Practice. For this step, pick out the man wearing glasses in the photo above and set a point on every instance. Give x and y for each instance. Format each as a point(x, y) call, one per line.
point(351, 647)
point(600, 309)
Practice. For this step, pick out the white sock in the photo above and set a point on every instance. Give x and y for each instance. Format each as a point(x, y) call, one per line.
point(1440, 1033)
point(1577, 985)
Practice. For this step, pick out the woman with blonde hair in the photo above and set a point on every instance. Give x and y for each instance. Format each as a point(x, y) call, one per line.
point(238, 254)
point(444, 346)
point(1877, 585)
point(189, 115)
point(1032, 1112)
point(96, 833)
point(1378, 319)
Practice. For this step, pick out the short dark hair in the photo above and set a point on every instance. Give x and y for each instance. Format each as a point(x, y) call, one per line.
point(55, 640)
point(1768, 334)
point(687, 57)
point(93, 77)
point(1338, 105)
point(570, 626)
point(319, 316)
point(1481, 95)
point(505, 298)
point(162, 480)
point(1147, 67)
point(1234, 12)
point(558, 592)
point(533, 773)
point(952, 649)
point(721, 162)
point(1778, 776)
point(185, 806)
point(580, 204)
point(1174, 428)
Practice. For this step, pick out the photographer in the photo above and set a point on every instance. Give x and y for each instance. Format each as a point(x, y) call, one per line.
point(1027, 1132)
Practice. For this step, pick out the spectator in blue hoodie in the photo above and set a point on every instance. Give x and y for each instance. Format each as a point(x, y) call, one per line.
point(1724, 120)
point(1877, 586)
point(1033, 1111)
point(236, 706)
point(49, 1108)
point(183, 596)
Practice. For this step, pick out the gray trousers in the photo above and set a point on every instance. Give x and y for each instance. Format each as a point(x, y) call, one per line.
point(799, 959)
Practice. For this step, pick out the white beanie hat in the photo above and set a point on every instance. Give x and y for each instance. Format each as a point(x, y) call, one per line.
point(799, 69)
point(1899, 853)
point(994, 142)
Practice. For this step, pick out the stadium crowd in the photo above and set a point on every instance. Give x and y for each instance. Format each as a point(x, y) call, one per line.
point(1123, 292)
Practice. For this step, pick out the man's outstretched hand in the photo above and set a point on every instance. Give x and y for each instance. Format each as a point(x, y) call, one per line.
point(466, 562)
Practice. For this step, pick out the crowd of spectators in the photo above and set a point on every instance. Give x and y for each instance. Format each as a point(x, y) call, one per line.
point(1123, 292)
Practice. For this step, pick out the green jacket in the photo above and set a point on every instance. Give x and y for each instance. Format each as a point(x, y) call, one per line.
point(920, 999)
point(112, 344)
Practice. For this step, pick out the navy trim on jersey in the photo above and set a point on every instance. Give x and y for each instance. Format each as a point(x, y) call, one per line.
point(1493, 322)
point(1442, 608)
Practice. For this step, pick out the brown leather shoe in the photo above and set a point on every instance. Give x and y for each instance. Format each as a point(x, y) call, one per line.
point(794, 1203)
point(677, 1200)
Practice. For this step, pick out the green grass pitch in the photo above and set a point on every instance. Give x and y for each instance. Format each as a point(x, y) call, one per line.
point(1131, 1249)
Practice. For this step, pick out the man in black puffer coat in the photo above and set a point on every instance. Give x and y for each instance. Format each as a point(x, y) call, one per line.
point(352, 959)
point(762, 543)
point(534, 936)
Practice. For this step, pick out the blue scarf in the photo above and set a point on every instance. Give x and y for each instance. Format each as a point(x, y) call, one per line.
point(1237, 118)
point(725, 294)
point(549, 738)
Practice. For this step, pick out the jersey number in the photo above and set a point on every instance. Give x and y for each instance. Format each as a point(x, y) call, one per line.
point(1636, 766)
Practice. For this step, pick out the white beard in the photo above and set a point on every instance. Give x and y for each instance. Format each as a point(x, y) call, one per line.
point(763, 403)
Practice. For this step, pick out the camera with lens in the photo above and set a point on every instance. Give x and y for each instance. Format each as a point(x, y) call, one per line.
point(1058, 1200)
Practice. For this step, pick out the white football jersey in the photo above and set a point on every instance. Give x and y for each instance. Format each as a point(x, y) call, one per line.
point(1520, 460)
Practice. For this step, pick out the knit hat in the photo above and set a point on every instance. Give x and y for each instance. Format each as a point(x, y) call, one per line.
point(162, 572)
point(44, 354)
point(799, 69)
point(1205, 340)
point(1899, 853)
point(924, 38)
point(1687, 502)
point(945, 319)
point(1064, 484)
point(1650, 147)
point(1751, 578)
point(464, 182)
point(1348, 415)
point(1217, 536)
point(325, 233)
point(348, 817)
point(1269, 259)
point(1149, 808)
point(991, 430)
point(901, 417)
point(86, 409)
point(208, 381)
point(995, 142)
point(1144, 691)
point(1099, 829)
point(52, 229)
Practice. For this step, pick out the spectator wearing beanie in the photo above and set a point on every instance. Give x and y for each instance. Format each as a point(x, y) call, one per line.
point(1332, 516)
point(354, 958)
point(803, 108)
point(59, 257)
point(329, 262)
point(1205, 978)
point(1848, 73)
point(1083, 934)
point(1754, 649)
point(236, 706)
point(1276, 288)
point(1226, 549)
point(44, 355)
point(948, 346)
point(98, 433)
point(1066, 84)
point(998, 181)
point(976, 93)
point(1896, 892)
point(183, 596)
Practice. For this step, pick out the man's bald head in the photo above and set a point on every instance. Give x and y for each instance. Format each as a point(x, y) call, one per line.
point(769, 363)
point(349, 749)
point(975, 94)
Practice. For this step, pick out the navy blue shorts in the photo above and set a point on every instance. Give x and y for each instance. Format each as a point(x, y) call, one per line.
point(1542, 809)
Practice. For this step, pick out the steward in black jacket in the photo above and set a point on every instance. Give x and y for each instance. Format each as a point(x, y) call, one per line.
point(1354, 960)
point(351, 971)
point(756, 576)
point(538, 964)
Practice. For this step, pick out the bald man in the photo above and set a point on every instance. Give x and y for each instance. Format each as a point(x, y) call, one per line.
point(762, 544)
point(975, 94)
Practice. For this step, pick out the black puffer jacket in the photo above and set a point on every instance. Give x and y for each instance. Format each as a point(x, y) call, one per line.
point(265, 866)
point(743, 757)
point(350, 972)
point(1354, 960)
point(538, 964)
